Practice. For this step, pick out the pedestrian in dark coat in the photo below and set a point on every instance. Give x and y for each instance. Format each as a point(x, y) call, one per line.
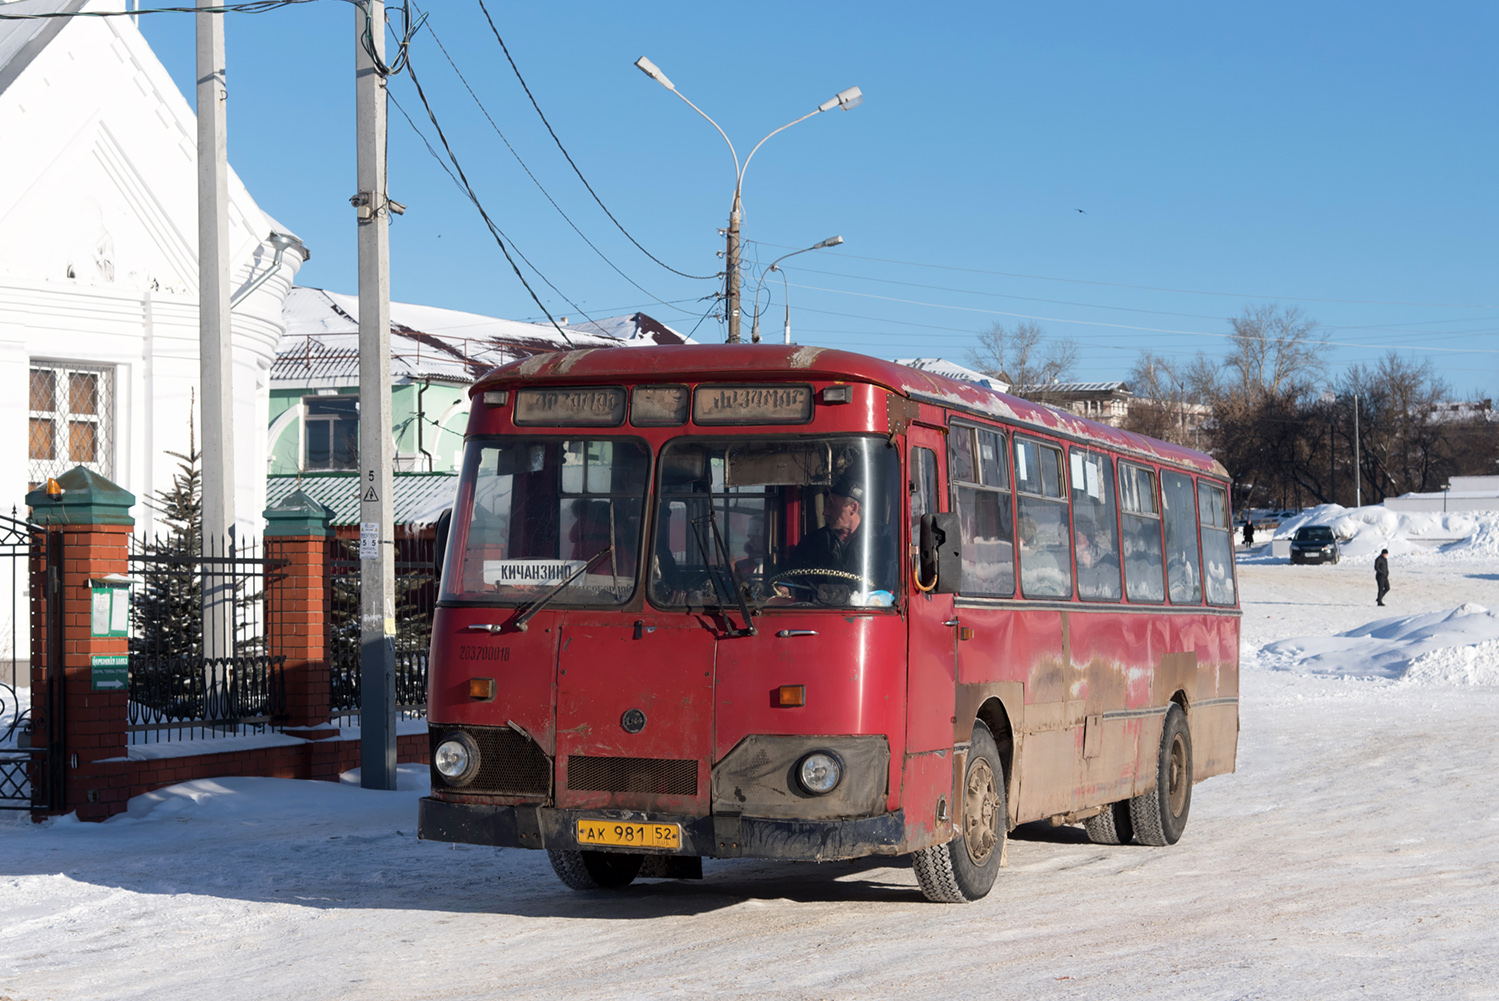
point(1248, 532)
point(1382, 576)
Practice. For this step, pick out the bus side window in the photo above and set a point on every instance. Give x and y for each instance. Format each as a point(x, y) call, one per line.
point(1042, 524)
point(1095, 529)
point(1217, 543)
point(1183, 580)
point(981, 489)
point(1140, 514)
point(923, 487)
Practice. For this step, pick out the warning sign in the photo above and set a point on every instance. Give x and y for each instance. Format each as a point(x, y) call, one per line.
point(369, 496)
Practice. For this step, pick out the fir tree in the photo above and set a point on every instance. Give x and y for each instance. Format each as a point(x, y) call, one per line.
point(169, 603)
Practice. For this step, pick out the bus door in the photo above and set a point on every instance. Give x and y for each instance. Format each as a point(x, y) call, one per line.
point(932, 638)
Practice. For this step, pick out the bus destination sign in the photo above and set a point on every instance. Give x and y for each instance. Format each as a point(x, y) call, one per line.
point(752, 404)
point(590, 406)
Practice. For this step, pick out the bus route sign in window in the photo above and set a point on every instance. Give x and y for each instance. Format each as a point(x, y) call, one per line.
point(720, 404)
point(587, 406)
point(658, 406)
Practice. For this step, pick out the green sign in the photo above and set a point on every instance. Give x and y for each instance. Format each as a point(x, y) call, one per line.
point(111, 672)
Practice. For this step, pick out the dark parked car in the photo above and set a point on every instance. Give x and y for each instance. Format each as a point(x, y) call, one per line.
point(1315, 544)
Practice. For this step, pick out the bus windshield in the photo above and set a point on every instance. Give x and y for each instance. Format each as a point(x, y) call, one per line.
point(535, 512)
point(803, 521)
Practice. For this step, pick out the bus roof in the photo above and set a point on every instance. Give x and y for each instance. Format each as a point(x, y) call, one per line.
point(778, 362)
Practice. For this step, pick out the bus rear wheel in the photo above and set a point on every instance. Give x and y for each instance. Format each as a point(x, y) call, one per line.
point(1111, 827)
point(965, 868)
point(595, 870)
point(1160, 815)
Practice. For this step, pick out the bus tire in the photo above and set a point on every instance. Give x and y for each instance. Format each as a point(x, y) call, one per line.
point(1113, 826)
point(595, 870)
point(1160, 815)
point(965, 868)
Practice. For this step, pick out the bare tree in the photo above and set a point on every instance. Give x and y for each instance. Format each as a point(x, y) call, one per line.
point(1025, 357)
point(1163, 389)
point(1274, 353)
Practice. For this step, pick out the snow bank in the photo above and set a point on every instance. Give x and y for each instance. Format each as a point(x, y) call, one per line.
point(1459, 646)
point(1364, 531)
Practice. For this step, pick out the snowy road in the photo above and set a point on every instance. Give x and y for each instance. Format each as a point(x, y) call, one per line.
point(1355, 854)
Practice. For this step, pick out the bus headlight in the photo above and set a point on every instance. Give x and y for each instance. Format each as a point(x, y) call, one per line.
point(819, 772)
point(457, 759)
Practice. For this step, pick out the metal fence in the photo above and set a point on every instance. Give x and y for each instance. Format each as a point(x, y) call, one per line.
point(416, 596)
point(17, 759)
point(199, 666)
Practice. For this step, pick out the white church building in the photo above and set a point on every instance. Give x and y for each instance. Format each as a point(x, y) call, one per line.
point(99, 266)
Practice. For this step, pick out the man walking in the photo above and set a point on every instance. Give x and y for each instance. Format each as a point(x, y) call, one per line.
point(1382, 576)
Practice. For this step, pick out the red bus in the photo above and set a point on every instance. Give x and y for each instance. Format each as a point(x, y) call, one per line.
point(793, 603)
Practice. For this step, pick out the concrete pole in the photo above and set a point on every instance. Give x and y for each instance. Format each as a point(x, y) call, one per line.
point(377, 585)
point(733, 265)
point(1358, 473)
point(214, 354)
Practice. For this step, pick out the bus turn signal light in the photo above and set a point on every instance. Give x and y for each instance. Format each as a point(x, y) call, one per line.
point(481, 688)
point(791, 696)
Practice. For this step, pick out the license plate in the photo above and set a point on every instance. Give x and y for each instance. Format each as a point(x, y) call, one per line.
point(622, 834)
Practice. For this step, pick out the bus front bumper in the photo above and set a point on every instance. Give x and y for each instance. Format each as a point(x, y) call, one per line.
point(716, 836)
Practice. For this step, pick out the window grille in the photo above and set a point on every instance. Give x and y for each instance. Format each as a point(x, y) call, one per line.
point(70, 420)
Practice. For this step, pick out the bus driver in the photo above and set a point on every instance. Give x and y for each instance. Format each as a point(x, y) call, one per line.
point(844, 544)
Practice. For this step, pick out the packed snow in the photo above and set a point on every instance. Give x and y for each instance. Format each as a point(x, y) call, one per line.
point(1352, 855)
point(1431, 536)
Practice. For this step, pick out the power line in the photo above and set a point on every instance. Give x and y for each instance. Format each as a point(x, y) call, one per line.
point(504, 48)
point(247, 7)
point(546, 194)
point(1123, 326)
point(1154, 288)
point(494, 230)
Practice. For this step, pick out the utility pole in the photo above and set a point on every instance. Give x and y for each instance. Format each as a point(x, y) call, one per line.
point(215, 358)
point(733, 269)
point(377, 585)
point(1358, 473)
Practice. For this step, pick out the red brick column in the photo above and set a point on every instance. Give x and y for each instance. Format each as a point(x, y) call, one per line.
point(90, 517)
point(298, 598)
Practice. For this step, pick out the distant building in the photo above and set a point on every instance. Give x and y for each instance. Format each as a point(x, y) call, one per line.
point(1106, 402)
point(1464, 493)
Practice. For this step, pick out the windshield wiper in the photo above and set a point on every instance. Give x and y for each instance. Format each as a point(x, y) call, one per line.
point(725, 568)
point(540, 603)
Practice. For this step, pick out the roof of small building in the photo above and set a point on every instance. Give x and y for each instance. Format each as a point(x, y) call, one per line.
point(417, 498)
point(1069, 388)
point(321, 345)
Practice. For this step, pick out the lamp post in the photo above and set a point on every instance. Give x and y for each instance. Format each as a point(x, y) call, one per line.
point(845, 99)
point(831, 241)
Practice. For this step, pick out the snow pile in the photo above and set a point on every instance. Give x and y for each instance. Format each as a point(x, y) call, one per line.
point(1459, 646)
point(1364, 531)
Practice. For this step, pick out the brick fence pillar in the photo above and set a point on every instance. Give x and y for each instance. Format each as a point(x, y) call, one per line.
point(298, 538)
point(91, 517)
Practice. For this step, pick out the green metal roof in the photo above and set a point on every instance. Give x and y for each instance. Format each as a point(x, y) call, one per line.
point(419, 497)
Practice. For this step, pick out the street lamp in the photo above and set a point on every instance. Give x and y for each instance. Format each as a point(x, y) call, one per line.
point(831, 241)
point(845, 99)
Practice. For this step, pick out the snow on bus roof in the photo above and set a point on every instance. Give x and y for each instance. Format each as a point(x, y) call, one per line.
point(767, 362)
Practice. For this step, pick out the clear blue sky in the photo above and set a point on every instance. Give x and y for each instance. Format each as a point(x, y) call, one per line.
point(1336, 156)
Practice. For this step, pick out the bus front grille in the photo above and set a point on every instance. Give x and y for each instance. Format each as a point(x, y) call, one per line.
point(510, 763)
point(660, 776)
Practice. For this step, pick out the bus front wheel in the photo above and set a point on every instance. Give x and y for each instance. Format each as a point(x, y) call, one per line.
point(595, 870)
point(1160, 815)
point(964, 869)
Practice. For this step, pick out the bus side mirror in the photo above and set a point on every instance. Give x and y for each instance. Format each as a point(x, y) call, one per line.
point(941, 552)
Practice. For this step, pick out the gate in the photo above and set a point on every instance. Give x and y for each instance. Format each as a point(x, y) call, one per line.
point(31, 745)
point(416, 595)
